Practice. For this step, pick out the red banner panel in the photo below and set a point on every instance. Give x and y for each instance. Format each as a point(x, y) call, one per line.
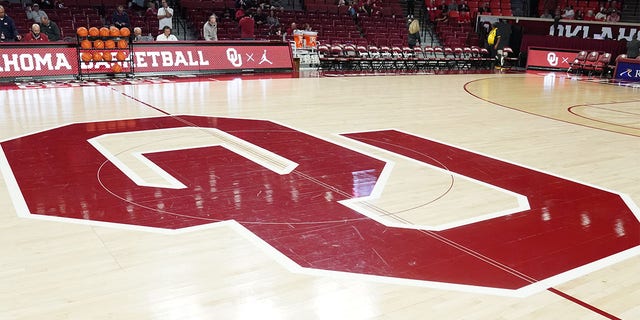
point(194, 58)
point(546, 58)
point(24, 61)
point(205, 58)
point(37, 61)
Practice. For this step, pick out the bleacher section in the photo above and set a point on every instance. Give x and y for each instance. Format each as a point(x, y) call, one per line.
point(79, 13)
point(332, 22)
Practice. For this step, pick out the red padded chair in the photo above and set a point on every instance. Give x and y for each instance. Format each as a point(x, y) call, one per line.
point(578, 61)
point(601, 66)
point(590, 62)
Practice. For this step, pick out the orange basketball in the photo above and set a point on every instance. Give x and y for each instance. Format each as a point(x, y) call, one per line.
point(94, 32)
point(122, 44)
point(85, 44)
point(114, 31)
point(125, 32)
point(121, 56)
point(107, 56)
point(104, 32)
point(97, 56)
point(116, 68)
point(86, 56)
point(98, 44)
point(109, 44)
point(82, 32)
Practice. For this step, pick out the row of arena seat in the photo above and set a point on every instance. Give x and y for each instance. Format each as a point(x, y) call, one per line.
point(592, 63)
point(372, 58)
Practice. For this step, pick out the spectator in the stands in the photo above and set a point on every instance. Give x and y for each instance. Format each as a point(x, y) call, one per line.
point(50, 28)
point(165, 16)
point(260, 17)
point(166, 35)
point(35, 35)
point(151, 11)
point(120, 17)
point(137, 34)
point(568, 13)
point(34, 13)
point(59, 4)
point(291, 30)
point(546, 14)
point(589, 16)
point(138, 37)
point(8, 30)
point(614, 16)
point(247, 27)
point(601, 15)
point(210, 28)
point(272, 19)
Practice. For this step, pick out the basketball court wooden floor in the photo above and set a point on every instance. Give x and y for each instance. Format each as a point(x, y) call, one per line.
point(487, 196)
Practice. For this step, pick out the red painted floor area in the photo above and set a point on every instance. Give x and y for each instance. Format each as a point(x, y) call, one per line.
point(569, 224)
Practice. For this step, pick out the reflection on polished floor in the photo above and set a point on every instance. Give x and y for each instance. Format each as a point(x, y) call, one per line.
point(460, 196)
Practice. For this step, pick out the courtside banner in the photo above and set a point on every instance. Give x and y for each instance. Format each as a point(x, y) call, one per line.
point(628, 69)
point(173, 58)
point(41, 61)
point(24, 61)
point(546, 58)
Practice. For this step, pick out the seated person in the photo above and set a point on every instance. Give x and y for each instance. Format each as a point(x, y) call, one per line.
point(138, 37)
point(51, 29)
point(34, 13)
point(601, 15)
point(614, 16)
point(166, 35)
point(35, 35)
point(568, 13)
point(120, 17)
point(589, 16)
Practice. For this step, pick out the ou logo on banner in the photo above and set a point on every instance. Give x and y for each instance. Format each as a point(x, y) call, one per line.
point(234, 57)
point(552, 58)
point(298, 194)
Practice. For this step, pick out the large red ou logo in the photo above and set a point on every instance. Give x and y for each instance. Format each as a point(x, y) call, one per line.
point(284, 186)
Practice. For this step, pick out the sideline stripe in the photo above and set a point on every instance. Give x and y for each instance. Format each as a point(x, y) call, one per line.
point(583, 304)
